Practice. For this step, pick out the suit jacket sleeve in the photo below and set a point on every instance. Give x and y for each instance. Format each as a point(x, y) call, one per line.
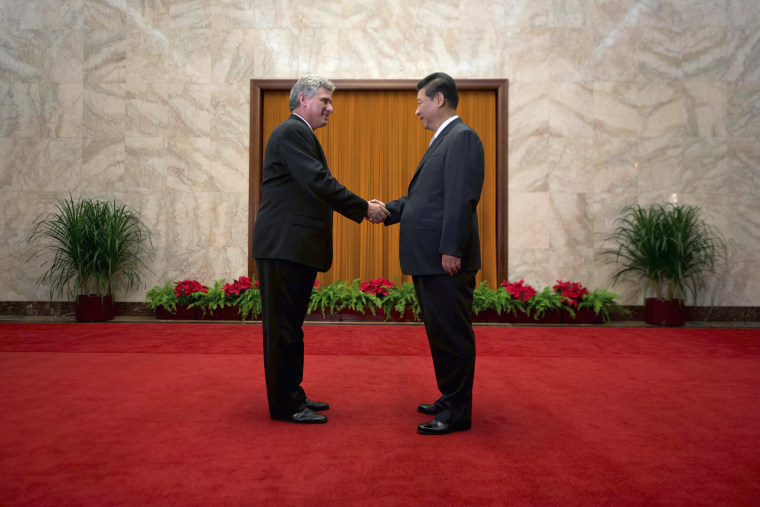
point(312, 176)
point(463, 183)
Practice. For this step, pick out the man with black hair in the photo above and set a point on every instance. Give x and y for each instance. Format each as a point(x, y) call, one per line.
point(439, 246)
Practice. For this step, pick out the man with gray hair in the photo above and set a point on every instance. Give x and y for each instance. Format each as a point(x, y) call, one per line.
point(292, 241)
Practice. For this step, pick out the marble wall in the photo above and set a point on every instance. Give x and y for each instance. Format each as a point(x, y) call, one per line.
point(611, 102)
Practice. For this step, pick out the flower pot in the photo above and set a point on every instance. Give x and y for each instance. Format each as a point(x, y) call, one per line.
point(582, 316)
point(224, 313)
point(94, 308)
point(182, 313)
point(664, 312)
point(348, 315)
point(548, 317)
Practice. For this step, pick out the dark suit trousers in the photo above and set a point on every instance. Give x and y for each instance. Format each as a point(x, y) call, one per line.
point(285, 291)
point(446, 304)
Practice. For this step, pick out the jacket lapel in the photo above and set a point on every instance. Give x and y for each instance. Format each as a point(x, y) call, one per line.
point(436, 142)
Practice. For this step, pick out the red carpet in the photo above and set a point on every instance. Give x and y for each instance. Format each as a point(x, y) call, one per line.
point(175, 414)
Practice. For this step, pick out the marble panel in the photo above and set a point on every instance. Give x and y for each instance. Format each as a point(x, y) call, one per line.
point(744, 165)
point(570, 50)
point(745, 226)
point(103, 166)
point(528, 212)
point(190, 14)
point(743, 50)
point(189, 59)
point(614, 165)
point(22, 14)
point(660, 166)
point(706, 106)
point(314, 44)
point(189, 110)
point(100, 14)
point(528, 164)
point(104, 110)
point(662, 109)
point(190, 166)
point(233, 14)
point(61, 110)
point(569, 225)
point(526, 12)
point(652, 13)
point(569, 163)
point(22, 55)
point(564, 13)
point(529, 107)
point(230, 110)
point(152, 13)
point(60, 165)
point(64, 55)
point(275, 14)
point(528, 51)
point(571, 107)
point(616, 109)
point(704, 54)
point(613, 56)
point(476, 51)
point(147, 110)
point(493, 17)
point(234, 55)
point(105, 56)
point(743, 12)
point(659, 54)
point(20, 166)
point(706, 168)
point(276, 53)
point(145, 164)
point(230, 169)
point(20, 110)
point(702, 13)
point(147, 55)
point(744, 110)
point(609, 15)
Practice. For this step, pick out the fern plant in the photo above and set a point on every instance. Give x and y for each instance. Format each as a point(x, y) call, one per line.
point(214, 299)
point(486, 298)
point(603, 303)
point(545, 301)
point(399, 298)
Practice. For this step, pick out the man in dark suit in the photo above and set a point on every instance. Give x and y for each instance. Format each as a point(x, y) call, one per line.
point(292, 241)
point(440, 248)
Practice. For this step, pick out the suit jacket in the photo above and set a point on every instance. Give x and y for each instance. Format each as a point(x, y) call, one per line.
point(298, 196)
point(438, 214)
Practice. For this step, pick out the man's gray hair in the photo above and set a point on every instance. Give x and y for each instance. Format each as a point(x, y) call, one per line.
point(308, 85)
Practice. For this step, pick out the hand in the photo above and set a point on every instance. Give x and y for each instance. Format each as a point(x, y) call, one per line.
point(376, 212)
point(451, 264)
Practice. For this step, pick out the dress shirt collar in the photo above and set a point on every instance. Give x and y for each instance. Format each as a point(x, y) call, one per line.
point(306, 122)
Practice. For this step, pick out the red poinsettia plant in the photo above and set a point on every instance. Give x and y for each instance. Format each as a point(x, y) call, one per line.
point(572, 292)
point(377, 287)
point(242, 284)
point(186, 291)
point(519, 290)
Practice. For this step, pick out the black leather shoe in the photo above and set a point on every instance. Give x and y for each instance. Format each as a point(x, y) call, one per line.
point(307, 416)
point(435, 427)
point(428, 409)
point(316, 406)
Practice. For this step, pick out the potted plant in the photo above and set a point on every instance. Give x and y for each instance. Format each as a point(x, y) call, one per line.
point(503, 304)
point(173, 300)
point(546, 306)
point(400, 298)
point(217, 303)
point(672, 249)
point(245, 296)
point(88, 246)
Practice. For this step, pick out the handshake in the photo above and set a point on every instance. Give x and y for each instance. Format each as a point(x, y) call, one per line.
point(377, 212)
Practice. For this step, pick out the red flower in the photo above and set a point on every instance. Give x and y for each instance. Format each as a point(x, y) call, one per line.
point(519, 290)
point(378, 286)
point(317, 284)
point(240, 285)
point(572, 292)
point(188, 288)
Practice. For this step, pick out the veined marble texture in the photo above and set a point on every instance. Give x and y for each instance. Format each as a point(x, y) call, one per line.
point(611, 102)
